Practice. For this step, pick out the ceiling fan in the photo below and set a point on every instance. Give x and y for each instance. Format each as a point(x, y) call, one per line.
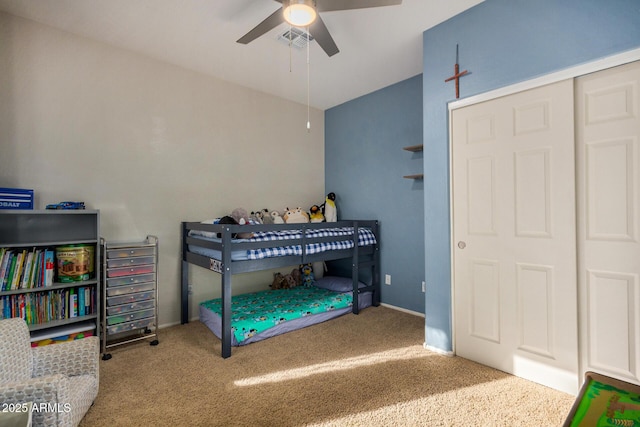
point(305, 13)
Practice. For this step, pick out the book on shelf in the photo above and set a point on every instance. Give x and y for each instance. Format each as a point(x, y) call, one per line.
point(46, 306)
point(4, 268)
point(49, 266)
point(26, 269)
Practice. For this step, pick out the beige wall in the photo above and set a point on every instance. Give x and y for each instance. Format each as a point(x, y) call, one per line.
point(148, 144)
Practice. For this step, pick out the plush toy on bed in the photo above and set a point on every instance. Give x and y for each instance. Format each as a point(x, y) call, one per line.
point(315, 214)
point(240, 215)
point(266, 217)
point(283, 281)
point(330, 210)
point(231, 220)
point(307, 275)
point(297, 276)
point(295, 216)
point(255, 217)
point(278, 281)
point(276, 218)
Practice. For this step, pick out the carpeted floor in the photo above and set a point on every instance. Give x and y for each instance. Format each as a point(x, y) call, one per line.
point(364, 370)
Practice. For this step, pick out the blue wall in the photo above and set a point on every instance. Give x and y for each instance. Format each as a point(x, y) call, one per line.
point(364, 165)
point(501, 42)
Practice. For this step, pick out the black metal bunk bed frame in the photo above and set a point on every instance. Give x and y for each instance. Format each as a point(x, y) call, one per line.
point(361, 257)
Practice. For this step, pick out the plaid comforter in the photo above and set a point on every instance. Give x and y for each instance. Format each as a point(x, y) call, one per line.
point(365, 238)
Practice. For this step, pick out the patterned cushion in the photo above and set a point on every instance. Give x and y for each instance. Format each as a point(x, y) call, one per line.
point(15, 351)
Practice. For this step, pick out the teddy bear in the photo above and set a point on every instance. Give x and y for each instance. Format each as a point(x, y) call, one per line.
point(315, 214)
point(297, 276)
point(290, 281)
point(295, 216)
point(278, 281)
point(283, 281)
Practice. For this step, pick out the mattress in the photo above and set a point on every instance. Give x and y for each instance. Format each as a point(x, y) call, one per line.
point(260, 315)
point(343, 235)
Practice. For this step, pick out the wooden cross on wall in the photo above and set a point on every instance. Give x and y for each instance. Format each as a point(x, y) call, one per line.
point(457, 74)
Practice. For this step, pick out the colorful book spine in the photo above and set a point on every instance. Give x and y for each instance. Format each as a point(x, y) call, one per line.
point(6, 257)
point(49, 267)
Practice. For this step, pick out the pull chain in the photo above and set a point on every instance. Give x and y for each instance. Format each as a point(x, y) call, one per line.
point(308, 84)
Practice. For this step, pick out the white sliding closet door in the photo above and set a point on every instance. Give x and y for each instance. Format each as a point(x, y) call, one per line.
point(513, 179)
point(607, 149)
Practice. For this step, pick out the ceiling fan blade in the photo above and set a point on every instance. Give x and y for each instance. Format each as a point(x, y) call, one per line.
point(321, 34)
point(275, 19)
point(330, 5)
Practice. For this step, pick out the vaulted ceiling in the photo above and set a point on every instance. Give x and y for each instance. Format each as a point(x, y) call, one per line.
point(378, 46)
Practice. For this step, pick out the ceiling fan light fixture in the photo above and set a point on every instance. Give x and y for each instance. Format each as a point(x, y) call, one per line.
point(299, 13)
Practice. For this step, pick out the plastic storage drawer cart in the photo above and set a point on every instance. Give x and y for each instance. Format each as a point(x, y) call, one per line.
point(130, 293)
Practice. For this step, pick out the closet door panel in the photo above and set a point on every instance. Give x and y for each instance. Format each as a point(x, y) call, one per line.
point(514, 235)
point(608, 168)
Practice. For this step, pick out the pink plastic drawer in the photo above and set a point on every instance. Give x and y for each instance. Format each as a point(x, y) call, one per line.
point(129, 271)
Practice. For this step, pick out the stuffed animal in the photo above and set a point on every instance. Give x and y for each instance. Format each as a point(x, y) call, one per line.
point(240, 215)
point(266, 217)
point(295, 216)
point(230, 220)
point(315, 214)
point(255, 217)
point(290, 281)
point(297, 276)
point(283, 281)
point(278, 281)
point(330, 209)
point(275, 216)
point(307, 275)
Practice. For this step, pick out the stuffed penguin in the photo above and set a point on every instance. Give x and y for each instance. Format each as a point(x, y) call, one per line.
point(330, 210)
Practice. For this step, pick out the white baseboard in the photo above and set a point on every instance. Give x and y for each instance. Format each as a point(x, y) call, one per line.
point(404, 310)
point(438, 350)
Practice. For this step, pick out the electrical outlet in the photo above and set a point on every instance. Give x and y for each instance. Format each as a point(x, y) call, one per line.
point(190, 290)
point(387, 279)
point(424, 286)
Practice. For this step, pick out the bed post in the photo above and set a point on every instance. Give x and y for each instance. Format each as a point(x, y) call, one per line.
point(226, 293)
point(375, 278)
point(184, 285)
point(355, 268)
